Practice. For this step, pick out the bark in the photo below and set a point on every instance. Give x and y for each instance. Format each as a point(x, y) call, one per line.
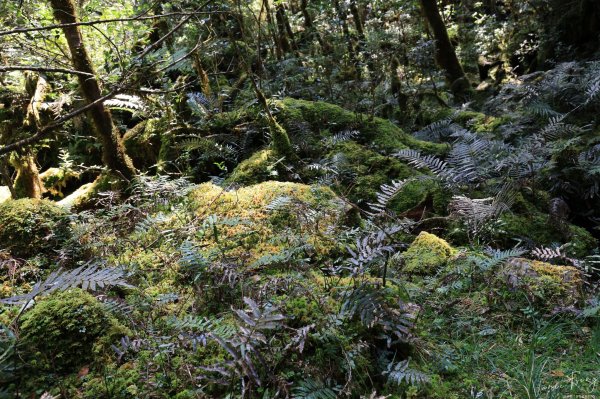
point(113, 150)
point(445, 55)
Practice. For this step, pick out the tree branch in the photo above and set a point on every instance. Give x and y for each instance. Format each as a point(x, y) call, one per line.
point(104, 21)
point(43, 70)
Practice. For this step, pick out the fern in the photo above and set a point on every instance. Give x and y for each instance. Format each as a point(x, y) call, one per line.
point(497, 257)
point(386, 194)
point(126, 102)
point(88, 277)
point(400, 372)
point(313, 389)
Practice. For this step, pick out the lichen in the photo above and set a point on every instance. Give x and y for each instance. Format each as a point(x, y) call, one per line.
point(30, 227)
point(67, 330)
point(427, 254)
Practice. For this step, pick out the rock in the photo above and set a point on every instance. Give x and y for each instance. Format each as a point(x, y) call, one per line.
point(30, 227)
point(555, 284)
point(427, 254)
point(259, 221)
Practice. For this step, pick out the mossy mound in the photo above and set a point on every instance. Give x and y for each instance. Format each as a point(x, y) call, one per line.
point(258, 168)
point(427, 254)
point(259, 223)
point(56, 179)
point(537, 229)
point(67, 330)
point(480, 122)
point(327, 119)
point(556, 285)
point(30, 227)
point(427, 194)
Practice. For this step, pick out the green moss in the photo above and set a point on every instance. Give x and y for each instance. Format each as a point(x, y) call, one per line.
point(67, 330)
point(255, 233)
point(480, 122)
point(29, 227)
point(427, 254)
point(369, 170)
point(553, 285)
point(258, 168)
point(421, 192)
point(143, 142)
point(327, 118)
point(281, 141)
point(537, 228)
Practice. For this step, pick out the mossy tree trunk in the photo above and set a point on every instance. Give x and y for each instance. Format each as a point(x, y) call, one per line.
point(445, 54)
point(27, 183)
point(113, 150)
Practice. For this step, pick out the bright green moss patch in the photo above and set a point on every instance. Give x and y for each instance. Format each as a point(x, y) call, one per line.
point(421, 192)
point(427, 254)
point(29, 227)
point(249, 224)
point(67, 330)
point(480, 122)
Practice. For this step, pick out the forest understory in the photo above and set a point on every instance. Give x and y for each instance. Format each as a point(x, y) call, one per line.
point(299, 199)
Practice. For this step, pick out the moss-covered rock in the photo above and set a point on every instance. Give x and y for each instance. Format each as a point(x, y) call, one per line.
point(29, 227)
point(259, 168)
point(427, 254)
point(326, 118)
point(55, 180)
point(249, 225)
point(422, 193)
point(555, 285)
point(67, 330)
point(537, 229)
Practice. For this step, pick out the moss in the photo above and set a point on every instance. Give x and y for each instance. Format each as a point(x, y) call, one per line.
point(479, 122)
point(421, 192)
point(143, 142)
point(56, 179)
point(427, 254)
point(67, 330)
point(258, 168)
point(538, 229)
point(246, 228)
point(327, 118)
point(553, 285)
point(369, 170)
point(29, 227)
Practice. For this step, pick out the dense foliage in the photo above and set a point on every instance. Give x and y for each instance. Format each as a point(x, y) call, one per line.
point(299, 199)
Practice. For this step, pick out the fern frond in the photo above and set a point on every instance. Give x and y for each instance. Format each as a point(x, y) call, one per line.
point(400, 372)
point(87, 277)
point(313, 389)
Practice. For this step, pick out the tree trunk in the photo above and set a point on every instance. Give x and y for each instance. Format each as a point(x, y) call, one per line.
point(113, 150)
point(445, 55)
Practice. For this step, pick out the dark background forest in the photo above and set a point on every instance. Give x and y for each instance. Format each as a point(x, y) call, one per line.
point(299, 198)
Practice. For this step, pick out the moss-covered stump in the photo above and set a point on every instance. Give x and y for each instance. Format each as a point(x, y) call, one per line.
point(427, 255)
point(30, 227)
point(268, 222)
point(143, 142)
point(67, 330)
point(555, 285)
point(55, 180)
